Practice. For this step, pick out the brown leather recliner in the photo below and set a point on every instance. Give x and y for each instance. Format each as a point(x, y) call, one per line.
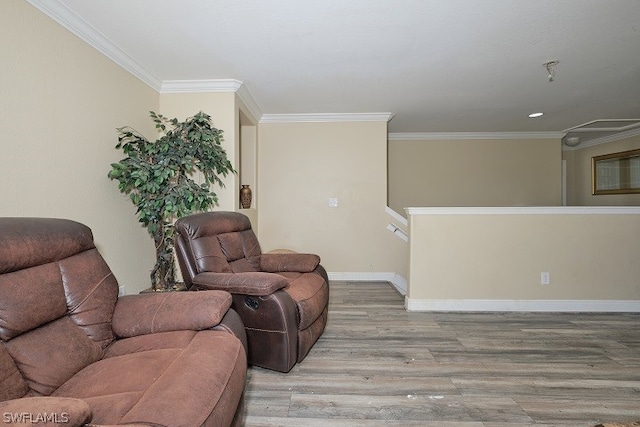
point(282, 298)
point(72, 352)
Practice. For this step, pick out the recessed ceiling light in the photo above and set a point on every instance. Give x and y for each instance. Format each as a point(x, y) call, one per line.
point(534, 115)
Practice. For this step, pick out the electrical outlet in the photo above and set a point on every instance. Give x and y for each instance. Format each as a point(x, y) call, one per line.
point(333, 202)
point(545, 278)
point(121, 291)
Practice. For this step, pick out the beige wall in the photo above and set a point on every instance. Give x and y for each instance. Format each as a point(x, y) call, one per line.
point(248, 172)
point(301, 166)
point(499, 255)
point(579, 175)
point(60, 104)
point(474, 173)
point(224, 115)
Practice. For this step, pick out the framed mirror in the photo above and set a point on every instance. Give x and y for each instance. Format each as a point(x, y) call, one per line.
point(616, 173)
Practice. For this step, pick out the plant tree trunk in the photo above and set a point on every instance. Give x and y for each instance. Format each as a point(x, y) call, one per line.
point(163, 272)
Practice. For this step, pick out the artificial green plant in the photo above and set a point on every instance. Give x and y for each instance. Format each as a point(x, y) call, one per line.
point(159, 177)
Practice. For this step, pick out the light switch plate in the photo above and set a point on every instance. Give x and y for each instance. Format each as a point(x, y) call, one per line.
point(545, 278)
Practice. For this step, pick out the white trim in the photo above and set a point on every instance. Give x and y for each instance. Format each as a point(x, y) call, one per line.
point(396, 229)
point(64, 16)
point(604, 140)
point(532, 210)
point(564, 182)
point(200, 86)
point(584, 127)
point(248, 99)
point(395, 215)
point(400, 283)
point(326, 117)
point(632, 306)
point(398, 232)
point(396, 280)
point(214, 86)
point(439, 136)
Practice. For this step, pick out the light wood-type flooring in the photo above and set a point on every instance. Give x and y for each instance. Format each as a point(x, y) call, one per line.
point(379, 365)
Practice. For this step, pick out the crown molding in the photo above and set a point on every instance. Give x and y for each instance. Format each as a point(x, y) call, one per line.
point(64, 16)
point(200, 86)
point(214, 86)
point(586, 127)
point(604, 140)
point(326, 117)
point(60, 13)
point(448, 136)
point(249, 101)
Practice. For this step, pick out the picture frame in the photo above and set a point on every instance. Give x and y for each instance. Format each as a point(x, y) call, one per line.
point(616, 173)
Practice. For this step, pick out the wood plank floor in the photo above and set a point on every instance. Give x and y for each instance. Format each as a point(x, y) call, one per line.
point(377, 364)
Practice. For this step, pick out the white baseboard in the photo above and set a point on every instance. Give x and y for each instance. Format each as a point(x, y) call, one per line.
point(398, 282)
point(471, 305)
point(618, 306)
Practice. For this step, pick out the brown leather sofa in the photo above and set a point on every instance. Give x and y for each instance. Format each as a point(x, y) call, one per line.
point(72, 352)
point(282, 298)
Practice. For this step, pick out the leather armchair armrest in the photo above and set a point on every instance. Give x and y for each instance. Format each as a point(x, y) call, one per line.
point(46, 411)
point(169, 311)
point(249, 283)
point(296, 262)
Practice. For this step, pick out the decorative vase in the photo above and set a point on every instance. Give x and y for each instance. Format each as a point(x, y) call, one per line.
point(245, 197)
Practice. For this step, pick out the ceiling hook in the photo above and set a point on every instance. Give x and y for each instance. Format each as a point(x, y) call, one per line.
point(549, 66)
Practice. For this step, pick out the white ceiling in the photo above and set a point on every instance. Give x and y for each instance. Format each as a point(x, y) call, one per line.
point(437, 65)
